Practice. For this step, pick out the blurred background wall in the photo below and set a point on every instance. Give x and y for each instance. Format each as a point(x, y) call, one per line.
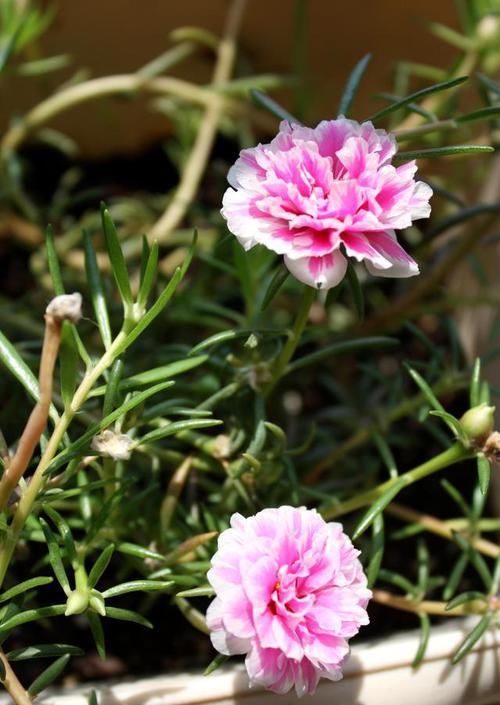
point(119, 36)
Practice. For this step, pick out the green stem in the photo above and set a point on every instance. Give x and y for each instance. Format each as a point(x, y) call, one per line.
point(448, 457)
point(294, 337)
point(37, 481)
point(81, 578)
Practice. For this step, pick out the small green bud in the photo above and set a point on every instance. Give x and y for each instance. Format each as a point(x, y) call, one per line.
point(478, 422)
point(488, 31)
point(77, 602)
point(96, 602)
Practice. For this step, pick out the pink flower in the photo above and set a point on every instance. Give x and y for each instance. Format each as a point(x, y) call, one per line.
point(290, 592)
point(317, 194)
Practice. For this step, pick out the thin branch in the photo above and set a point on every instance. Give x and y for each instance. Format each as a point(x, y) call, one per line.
point(202, 147)
point(406, 604)
point(441, 528)
point(12, 684)
point(38, 417)
point(120, 84)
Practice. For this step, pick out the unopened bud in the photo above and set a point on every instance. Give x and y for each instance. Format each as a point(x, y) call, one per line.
point(478, 422)
point(488, 29)
point(114, 445)
point(77, 602)
point(221, 447)
point(66, 307)
point(96, 602)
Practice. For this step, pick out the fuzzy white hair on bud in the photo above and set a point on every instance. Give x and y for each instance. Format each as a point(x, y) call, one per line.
point(65, 307)
point(113, 445)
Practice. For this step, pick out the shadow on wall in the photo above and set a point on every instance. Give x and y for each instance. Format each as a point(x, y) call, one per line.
point(116, 37)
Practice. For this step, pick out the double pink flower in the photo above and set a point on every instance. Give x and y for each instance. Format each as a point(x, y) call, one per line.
point(290, 593)
point(317, 195)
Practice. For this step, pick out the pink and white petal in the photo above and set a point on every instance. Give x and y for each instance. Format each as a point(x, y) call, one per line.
point(246, 172)
point(239, 211)
point(332, 671)
point(354, 157)
point(326, 648)
point(401, 264)
point(320, 272)
point(259, 581)
point(251, 226)
point(419, 202)
point(228, 644)
point(269, 668)
point(223, 640)
point(214, 614)
point(360, 247)
point(331, 135)
point(345, 197)
point(306, 678)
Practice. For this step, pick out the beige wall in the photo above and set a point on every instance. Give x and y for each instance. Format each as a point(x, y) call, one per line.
point(117, 36)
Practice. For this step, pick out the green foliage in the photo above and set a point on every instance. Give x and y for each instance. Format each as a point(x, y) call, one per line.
point(189, 392)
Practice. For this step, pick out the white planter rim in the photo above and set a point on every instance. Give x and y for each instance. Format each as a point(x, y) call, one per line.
point(376, 673)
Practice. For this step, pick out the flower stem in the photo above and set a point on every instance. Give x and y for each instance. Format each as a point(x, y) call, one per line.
point(280, 365)
point(448, 457)
point(427, 606)
point(202, 147)
point(12, 684)
point(37, 481)
point(38, 417)
point(442, 528)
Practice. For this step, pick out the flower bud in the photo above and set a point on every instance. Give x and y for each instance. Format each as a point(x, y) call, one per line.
point(113, 445)
point(77, 602)
point(96, 603)
point(66, 307)
point(478, 422)
point(488, 30)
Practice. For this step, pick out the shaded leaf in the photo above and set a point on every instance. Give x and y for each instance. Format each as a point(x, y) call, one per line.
point(376, 550)
point(156, 374)
point(378, 506)
point(472, 638)
point(425, 630)
point(464, 597)
point(279, 278)
point(100, 566)
point(25, 586)
point(43, 651)
point(452, 423)
point(136, 586)
point(422, 93)
point(116, 258)
point(127, 616)
point(352, 85)
point(95, 624)
point(483, 473)
point(450, 151)
point(49, 675)
point(96, 290)
point(272, 106)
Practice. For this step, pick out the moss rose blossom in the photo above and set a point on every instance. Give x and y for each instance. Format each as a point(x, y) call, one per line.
point(290, 592)
point(317, 195)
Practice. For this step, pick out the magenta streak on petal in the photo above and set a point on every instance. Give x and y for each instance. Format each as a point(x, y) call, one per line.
point(310, 189)
point(302, 594)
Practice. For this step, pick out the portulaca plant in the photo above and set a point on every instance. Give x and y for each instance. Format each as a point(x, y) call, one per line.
point(233, 433)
